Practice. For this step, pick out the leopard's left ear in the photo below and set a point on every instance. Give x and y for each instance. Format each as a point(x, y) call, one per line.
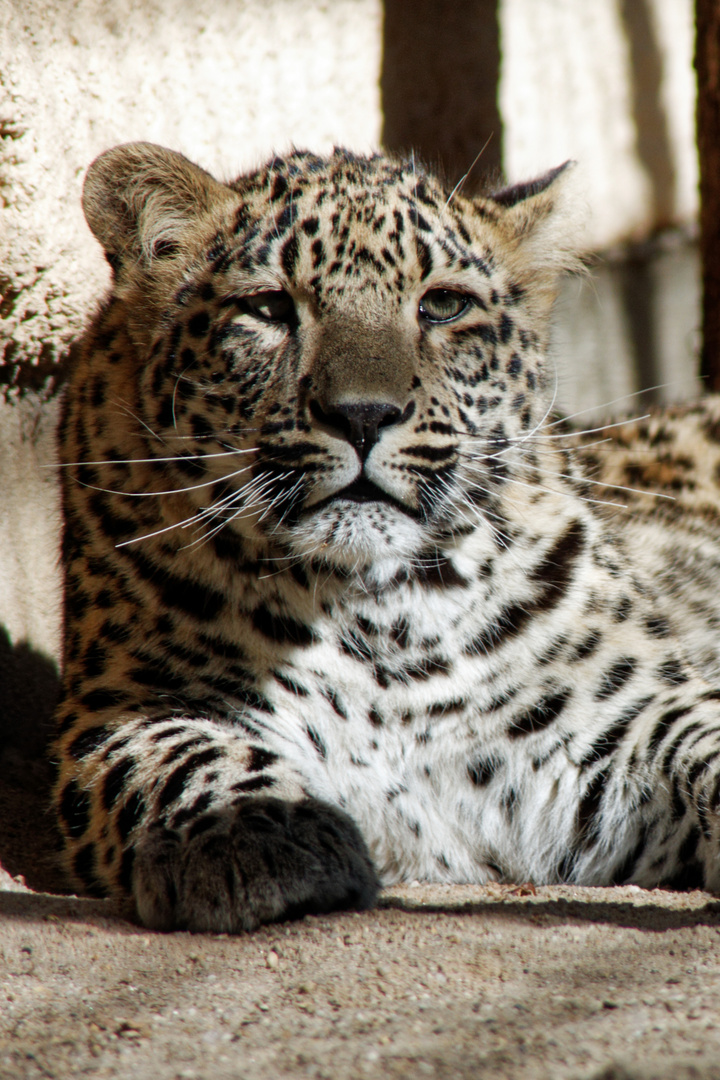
point(528, 189)
point(542, 223)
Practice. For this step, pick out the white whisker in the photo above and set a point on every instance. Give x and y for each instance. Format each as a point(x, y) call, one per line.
point(152, 460)
point(462, 179)
point(615, 401)
point(591, 431)
point(171, 491)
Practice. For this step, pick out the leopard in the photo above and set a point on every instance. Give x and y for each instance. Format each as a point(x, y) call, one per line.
point(347, 603)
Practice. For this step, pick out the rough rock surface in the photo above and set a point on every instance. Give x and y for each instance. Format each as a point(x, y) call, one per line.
point(438, 982)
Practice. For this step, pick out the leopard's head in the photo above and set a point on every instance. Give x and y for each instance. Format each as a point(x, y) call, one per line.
point(337, 354)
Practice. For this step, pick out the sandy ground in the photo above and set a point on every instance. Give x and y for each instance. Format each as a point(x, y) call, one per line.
point(461, 982)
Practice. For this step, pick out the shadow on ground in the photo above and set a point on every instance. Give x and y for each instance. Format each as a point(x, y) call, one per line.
point(29, 840)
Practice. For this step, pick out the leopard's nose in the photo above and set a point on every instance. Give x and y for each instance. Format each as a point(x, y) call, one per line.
point(359, 422)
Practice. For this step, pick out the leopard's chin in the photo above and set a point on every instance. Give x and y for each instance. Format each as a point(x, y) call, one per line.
point(353, 531)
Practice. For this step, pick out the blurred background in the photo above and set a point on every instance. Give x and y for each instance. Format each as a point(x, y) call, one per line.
point(513, 86)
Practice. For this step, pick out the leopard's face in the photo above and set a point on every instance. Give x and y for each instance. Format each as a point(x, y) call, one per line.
point(346, 362)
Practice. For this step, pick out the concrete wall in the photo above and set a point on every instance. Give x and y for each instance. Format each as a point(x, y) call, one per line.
point(224, 81)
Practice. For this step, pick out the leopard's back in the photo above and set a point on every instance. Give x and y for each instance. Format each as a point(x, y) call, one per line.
point(661, 473)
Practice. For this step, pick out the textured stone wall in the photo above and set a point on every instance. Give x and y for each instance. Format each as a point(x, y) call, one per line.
point(225, 82)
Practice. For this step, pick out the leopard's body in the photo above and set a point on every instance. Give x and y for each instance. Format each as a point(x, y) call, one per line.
point(341, 601)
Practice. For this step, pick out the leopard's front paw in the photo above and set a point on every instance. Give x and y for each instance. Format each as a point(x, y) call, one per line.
point(263, 861)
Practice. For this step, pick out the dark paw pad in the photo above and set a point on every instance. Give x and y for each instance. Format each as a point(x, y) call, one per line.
point(263, 861)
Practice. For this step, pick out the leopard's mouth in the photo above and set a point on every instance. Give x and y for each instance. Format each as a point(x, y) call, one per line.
point(363, 490)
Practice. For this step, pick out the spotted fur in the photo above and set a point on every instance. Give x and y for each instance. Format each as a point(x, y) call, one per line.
point(345, 605)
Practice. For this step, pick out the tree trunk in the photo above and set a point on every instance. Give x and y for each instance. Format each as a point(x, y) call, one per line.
point(439, 85)
point(707, 63)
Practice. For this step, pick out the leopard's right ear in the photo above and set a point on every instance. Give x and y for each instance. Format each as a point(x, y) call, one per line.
point(144, 202)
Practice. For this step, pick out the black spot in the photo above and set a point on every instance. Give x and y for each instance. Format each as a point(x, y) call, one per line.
point(482, 771)
point(354, 645)
point(189, 812)
point(282, 629)
point(672, 671)
point(424, 258)
point(367, 626)
point(332, 697)
point(290, 685)
point(425, 669)
point(175, 784)
point(158, 676)
point(221, 647)
point(663, 724)
point(89, 740)
point(166, 733)
point(589, 804)
point(289, 254)
point(555, 570)
point(179, 592)
point(199, 324)
point(440, 708)
point(623, 609)
point(316, 741)
point(689, 874)
point(115, 632)
point(250, 697)
point(609, 739)
point(181, 748)
point(75, 809)
point(539, 716)
point(439, 573)
point(299, 576)
point(114, 781)
point(130, 814)
point(255, 783)
point(587, 646)
point(506, 328)
point(509, 801)
point(400, 633)
point(126, 869)
point(614, 679)
point(261, 759)
point(279, 187)
point(95, 700)
point(99, 387)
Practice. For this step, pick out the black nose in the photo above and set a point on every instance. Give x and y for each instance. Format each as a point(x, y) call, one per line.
point(359, 421)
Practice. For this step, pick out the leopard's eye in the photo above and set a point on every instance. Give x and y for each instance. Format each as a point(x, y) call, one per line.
point(272, 305)
point(443, 305)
